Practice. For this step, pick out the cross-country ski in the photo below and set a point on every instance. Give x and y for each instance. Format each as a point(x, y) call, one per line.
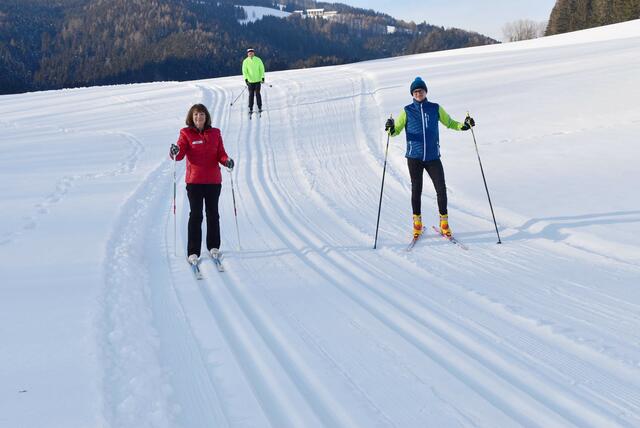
point(216, 258)
point(195, 268)
point(414, 241)
point(450, 238)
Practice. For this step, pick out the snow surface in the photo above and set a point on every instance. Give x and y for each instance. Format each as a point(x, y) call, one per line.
point(102, 325)
point(255, 13)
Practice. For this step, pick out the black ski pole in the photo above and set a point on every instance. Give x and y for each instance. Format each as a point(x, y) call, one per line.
point(384, 170)
point(485, 183)
point(241, 92)
point(175, 228)
point(235, 212)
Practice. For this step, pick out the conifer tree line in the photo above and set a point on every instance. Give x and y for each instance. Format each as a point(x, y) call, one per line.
point(573, 15)
point(51, 44)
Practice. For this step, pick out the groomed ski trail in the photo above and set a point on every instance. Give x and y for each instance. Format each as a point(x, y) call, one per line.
point(309, 326)
point(564, 407)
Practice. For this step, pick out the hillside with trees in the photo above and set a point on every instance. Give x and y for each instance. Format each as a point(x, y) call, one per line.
point(51, 44)
point(573, 15)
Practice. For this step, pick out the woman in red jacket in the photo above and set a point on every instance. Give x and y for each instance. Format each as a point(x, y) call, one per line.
point(202, 145)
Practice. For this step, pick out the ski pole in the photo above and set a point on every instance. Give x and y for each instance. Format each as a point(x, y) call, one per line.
point(384, 170)
point(175, 228)
point(235, 212)
point(485, 182)
point(241, 92)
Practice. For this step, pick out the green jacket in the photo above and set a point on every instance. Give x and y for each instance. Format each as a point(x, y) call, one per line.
point(253, 69)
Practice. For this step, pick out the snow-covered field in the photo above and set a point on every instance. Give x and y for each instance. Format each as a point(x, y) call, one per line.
point(101, 325)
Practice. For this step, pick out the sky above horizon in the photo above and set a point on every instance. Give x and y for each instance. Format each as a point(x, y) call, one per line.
point(487, 18)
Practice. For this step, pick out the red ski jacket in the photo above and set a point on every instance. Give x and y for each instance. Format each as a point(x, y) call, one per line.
point(205, 153)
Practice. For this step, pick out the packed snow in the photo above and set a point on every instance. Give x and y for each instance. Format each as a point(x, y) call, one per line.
point(104, 325)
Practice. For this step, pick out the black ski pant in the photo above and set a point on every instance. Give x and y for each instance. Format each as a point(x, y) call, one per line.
point(254, 89)
point(436, 173)
point(197, 194)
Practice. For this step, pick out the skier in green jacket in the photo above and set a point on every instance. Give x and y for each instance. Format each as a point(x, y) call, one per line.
point(253, 73)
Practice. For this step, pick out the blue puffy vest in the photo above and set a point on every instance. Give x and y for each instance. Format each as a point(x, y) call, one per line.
point(423, 138)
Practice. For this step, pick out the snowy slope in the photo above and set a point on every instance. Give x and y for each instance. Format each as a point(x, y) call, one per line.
point(255, 13)
point(103, 325)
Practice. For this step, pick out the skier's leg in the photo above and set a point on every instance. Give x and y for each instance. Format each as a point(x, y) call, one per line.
point(436, 173)
point(252, 90)
point(211, 197)
point(415, 172)
point(194, 228)
point(258, 96)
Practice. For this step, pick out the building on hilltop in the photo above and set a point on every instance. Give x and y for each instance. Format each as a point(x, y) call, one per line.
point(317, 13)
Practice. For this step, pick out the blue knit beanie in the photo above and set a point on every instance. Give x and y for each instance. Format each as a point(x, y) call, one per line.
point(417, 84)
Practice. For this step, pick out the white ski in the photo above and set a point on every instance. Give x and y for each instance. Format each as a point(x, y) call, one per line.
point(196, 270)
point(217, 261)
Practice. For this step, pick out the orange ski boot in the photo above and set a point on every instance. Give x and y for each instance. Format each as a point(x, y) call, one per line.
point(445, 230)
point(417, 225)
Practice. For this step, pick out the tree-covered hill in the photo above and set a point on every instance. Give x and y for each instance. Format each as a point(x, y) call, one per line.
point(49, 44)
point(573, 15)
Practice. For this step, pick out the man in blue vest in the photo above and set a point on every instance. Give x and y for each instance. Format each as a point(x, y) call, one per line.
point(420, 122)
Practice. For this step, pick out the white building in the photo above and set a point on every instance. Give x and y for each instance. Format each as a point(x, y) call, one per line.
point(317, 13)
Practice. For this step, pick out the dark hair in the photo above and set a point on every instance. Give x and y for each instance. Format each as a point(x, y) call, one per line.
point(198, 108)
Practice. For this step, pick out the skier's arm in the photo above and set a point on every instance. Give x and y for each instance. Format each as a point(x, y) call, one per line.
point(245, 70)
point(400, 123)
point(261, 70)
point(447, 121)
point(183, 143)
point(222, 154)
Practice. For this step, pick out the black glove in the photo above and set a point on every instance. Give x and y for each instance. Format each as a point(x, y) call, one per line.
point(263, 80)
point(229, 163)
point(390, 125)
point(246, 81)
point(468, 123)
point(174, 150)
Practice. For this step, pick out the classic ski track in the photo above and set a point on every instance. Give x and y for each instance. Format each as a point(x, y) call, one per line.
point(249, 269)
point(414, 339)
point(622, 374)
point(609, 316)
point(275, 398)
point(629, 315)
point(299, 326)
point(217, 402)
point(559, 310)
point(130, 240)
point(376, 148)
point(308, 385)
point(266, 387)
point(297, 323)
point(541, 395)
point(248, 307)
point(227, 320)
